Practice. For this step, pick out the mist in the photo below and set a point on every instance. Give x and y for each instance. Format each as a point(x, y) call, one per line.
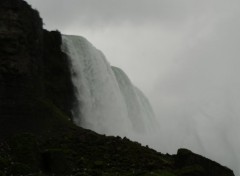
point(184, 55)
point(197, 102)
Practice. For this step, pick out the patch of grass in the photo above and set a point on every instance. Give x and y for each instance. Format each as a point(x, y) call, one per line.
point(54, 110)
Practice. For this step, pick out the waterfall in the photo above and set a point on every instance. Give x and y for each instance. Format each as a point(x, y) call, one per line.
point(139, 109)
point(108, 102)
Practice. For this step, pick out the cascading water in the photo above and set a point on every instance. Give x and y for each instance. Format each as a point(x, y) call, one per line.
point(139, 109)
point(107, 101)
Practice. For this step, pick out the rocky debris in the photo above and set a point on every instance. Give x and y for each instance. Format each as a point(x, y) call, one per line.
point(76, 151)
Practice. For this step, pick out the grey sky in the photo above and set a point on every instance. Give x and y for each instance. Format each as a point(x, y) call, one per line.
point(183, 54)
point(112, 11)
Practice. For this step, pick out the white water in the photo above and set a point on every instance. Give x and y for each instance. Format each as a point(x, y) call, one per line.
point(108, 103)
point(139, 109)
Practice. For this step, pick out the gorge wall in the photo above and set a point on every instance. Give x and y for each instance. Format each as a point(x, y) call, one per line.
point(34, 73)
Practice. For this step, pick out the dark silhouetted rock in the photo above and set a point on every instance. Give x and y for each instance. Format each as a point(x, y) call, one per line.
point(189, 163)
point(34, 73)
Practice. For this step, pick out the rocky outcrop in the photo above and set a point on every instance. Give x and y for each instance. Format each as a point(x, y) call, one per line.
point(33, 70)
point(189, 163)
point(57, 77)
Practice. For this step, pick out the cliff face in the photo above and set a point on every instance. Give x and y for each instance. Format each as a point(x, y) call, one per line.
point(33, 70)
point(36, 97)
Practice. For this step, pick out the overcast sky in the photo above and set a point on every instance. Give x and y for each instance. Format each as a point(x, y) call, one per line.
point(183, 54)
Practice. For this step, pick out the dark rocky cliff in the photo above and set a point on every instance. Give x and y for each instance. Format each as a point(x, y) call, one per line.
point(34, 72)
point(36, 97)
